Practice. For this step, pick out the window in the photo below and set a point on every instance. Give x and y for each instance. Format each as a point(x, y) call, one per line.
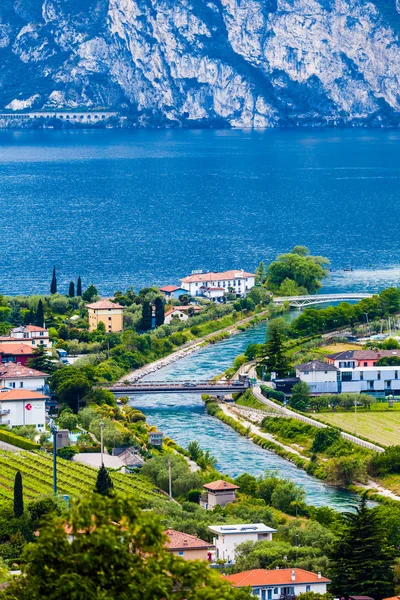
point(275, 590)
point(370, 385)
point(388, 385)
point(109, 318)
point(379, 375)
point(306, 372)
point(256, 591)
point(13, 384)
point(180, 553)
point(396, 374)
point(365, 364)
point(347, 376)
point(308, 588)
point(361, 375)
point(21, 384)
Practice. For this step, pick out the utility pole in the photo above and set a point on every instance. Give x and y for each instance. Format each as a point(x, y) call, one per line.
point(53, 430)
point(169, 477)
point(102, 441)
point(355, 416)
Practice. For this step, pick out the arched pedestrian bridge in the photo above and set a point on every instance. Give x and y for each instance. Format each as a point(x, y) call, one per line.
point(305, 301)
point(219, 388)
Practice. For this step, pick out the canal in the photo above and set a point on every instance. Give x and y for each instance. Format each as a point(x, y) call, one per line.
point(183, 417)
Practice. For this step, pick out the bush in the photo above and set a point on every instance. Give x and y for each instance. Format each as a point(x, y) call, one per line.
point(325, 438)
point(16, 440)
point(387, 462)
point(67, 452)
point(193, 496)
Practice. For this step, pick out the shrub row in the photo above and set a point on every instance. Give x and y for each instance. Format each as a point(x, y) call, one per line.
point(11, 438)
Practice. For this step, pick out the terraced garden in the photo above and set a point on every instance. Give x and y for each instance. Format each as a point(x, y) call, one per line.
point(73, 479)
point(380, 424)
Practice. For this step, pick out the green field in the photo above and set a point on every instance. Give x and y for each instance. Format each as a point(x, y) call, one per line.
point(380, 424)
point(74, 479)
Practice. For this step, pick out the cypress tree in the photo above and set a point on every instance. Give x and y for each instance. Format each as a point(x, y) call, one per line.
point(275, 358)
point(104, 484)
point(159, 306)
point(79, 287)
point(71, 291)
point(147, 316)
point(362, 559)
point(53, 286)
point(18, 496)
point(40, 314)
point(30, 318)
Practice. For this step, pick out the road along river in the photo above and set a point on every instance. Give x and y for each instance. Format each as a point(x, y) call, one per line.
point(183, 417)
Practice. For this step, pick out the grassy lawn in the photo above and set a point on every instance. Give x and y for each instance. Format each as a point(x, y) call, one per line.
point(380, 424)
point(340, 348)
point(391, 482)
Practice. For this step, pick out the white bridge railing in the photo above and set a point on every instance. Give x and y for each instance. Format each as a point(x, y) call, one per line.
point(311, 300)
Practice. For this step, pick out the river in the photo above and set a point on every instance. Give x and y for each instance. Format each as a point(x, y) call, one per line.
point(183, 417)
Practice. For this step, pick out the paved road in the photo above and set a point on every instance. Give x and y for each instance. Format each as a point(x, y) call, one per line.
point(9, 447)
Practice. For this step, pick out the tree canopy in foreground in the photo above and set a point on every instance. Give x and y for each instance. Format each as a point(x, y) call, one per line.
point(117, 553)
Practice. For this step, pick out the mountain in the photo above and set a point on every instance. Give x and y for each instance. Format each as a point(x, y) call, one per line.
point(254, 63)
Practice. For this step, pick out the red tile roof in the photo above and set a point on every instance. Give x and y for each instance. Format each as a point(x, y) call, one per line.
point(16, 349)
point(258, 577)
point(217, 276)
point(183, 309)
point(103, 304)
point(20, 395)
point(23, 328)
point(170, 288)
point(179, 541)
point(220, 484)
point(12, 370)
point(374, 354)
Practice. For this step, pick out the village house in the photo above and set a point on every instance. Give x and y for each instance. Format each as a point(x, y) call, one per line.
point(173, 291)
point(22, 407)
point(189, 547)
point(212, 293)
point(156, 438)
point(16, 353)
point(218, 492)
point(228, 537)
point(321, 377)
point(29, 334)
point(350, 359)
point(182, 313)
point(17, 376)
point(276, 583)
point(239, 282)
point(106, 312)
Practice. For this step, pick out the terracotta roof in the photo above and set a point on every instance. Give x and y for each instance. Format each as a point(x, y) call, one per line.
point(15, 370)
point(20, 394)
point(182, 309)
point(103, 304)
point(391, 598)
point(28, 328)
point(258, 577)
point(179, 541)
point(16, 349)
point(170, 288)
point(220, 484)
point(315, 365)
point(374, 354)
point(198, 277)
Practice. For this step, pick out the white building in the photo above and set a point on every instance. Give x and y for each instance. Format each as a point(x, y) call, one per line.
point(323, 378)
point(320, 377)
point(272, 584)
point(22, 407)
point(228, 537)
point(181, 313)
point(239, 282)
point(31, 335)
point(17, 376)
point(213, 293)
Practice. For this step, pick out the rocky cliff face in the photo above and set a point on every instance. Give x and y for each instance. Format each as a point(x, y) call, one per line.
point(250, 63)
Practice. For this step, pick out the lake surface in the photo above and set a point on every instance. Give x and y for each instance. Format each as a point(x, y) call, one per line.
point(124, 208)
point(183, 417)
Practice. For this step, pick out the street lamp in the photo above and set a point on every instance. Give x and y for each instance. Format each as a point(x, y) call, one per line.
point(101, 441)
point(53, 429)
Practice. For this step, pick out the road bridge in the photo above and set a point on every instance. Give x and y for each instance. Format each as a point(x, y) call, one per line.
point(312, 300)
point(219, 388)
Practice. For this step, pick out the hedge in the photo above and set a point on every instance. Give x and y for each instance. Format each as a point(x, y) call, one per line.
point(16, 440)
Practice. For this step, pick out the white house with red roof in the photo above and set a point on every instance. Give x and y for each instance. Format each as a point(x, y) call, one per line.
point(33, 335)
point(182, 313)
point(17, 376)
point(189, 547)
point(22, 407)
point(239, 282)
point(218, 492)
point(228, 537)
point(274, 583)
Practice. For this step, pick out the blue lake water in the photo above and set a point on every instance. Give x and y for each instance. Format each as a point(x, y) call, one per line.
point(184, 418)
point(125, 208)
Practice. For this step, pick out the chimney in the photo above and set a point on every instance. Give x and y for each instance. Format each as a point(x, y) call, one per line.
point(319, 574)
point(293, 576)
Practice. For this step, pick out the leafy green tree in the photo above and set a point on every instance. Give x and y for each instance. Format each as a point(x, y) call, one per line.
point(261, 274)
point(315, 596)
point(15, 317)
point(117, 551)
point(146, 322)
point(324, 438)
point(71, 386)
point(159, 310)
point(104, 484)
point(194, 450)
point(345, 470)
point(18, 496)
point(68, 420)
point(289, 287)
point(30, 317)
point(39, 321)
point(285, 496)
point(71, 289)
point(79, 287)
point(305, 270)
point(300, 398)
point(388, 361)
point(53, 285)
point(362, 559)
point(275, 359)
point(90, 294)
point(63, 332)
point(40, 361)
